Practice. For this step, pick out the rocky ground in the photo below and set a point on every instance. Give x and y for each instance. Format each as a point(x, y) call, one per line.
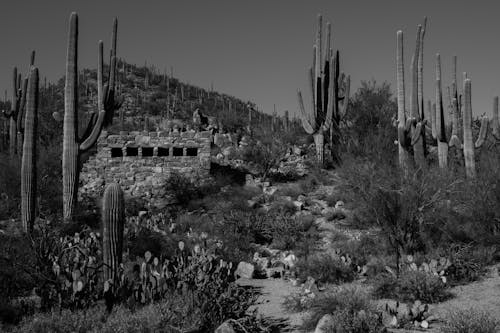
point(484, 294)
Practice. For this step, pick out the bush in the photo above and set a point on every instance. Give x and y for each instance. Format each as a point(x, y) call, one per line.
point(183, 189)
point(325, 268)
point(351, 309)
point(468, 263)
point(411, 286)
point(470, 321)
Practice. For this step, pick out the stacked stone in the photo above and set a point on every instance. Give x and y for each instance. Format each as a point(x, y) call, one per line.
point(145, 176)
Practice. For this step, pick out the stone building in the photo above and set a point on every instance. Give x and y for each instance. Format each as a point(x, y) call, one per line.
point(141, 162)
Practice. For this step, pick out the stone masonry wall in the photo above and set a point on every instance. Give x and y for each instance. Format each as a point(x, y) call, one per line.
point(141, 162)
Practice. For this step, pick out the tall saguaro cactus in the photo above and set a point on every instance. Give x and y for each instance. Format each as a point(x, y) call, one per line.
point(417, 129)
point(318, 119)
point(113, 219)
point(11, 115)
point(440, 121)
point(28, 167)
point(73, 145)
point(404, 155)
point(470, 164)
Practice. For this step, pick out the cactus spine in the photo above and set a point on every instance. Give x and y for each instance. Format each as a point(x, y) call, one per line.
point(113, 216)
point(440, 121)
point(470, 165)
point(28, 168)
point(73, 145)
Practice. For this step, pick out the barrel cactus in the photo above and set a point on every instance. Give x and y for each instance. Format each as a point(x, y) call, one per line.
point(113, 218)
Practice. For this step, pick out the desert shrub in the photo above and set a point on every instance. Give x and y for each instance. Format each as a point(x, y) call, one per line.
point(183, 189)
point(10, 175)
point(468, 263)
point(351, 308)
point(362, 250)
point(265, 153)
point(325, 268)
point(15, 254)
point(149, 240)
point(411, 286)
point(470, 321)
point(370, 132)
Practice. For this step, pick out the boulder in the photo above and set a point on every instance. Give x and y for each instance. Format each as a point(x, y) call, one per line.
point(244, 270)
point(225, 327)
point(324, 324)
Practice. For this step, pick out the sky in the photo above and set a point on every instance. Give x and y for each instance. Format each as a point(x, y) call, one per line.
point(260, 50)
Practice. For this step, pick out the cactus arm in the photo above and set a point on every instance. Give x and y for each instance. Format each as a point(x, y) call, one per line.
point(470, 167)
point(403, 153)
point(28, 166)
point(303, 115)
point(32, 58)
point(329, 110)
point(345, 103)
point(454, 140)
point(417, 133)
point(418, 146)
point(495, 130)
point(414, 71)
point(482, 132)
point(22, 106)
point(88, 142)
point(440, 122)
point(420, 75)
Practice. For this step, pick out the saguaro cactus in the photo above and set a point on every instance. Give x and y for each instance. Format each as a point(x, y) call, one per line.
point(495, 126)
point(404, 155)
point(28, 168)
point(440, 121)
point(319, 117)
point(73, 145)
point(11, 115)
point(470, 164)
point(416, 101)
point(113, 218)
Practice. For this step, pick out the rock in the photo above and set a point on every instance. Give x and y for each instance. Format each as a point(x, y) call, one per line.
point(225, 327)
point(339, 204)
point(310, 286)
point(252, 203)
point(244, 270)
point(290, 260)
point(324, 324)
point(275, 272)
point(298, 204)
point(270, 190)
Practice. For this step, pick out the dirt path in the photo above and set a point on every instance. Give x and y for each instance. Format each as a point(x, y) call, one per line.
point(274, 292)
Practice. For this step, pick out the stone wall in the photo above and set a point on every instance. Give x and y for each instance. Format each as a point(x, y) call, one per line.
point(141, 162)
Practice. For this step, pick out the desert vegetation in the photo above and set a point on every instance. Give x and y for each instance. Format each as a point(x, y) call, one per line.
point(377, 213)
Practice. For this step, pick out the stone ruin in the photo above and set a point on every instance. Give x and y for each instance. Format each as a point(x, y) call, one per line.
point(141, 162)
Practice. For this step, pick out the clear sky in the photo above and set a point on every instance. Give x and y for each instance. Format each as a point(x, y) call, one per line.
point(259, 49)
